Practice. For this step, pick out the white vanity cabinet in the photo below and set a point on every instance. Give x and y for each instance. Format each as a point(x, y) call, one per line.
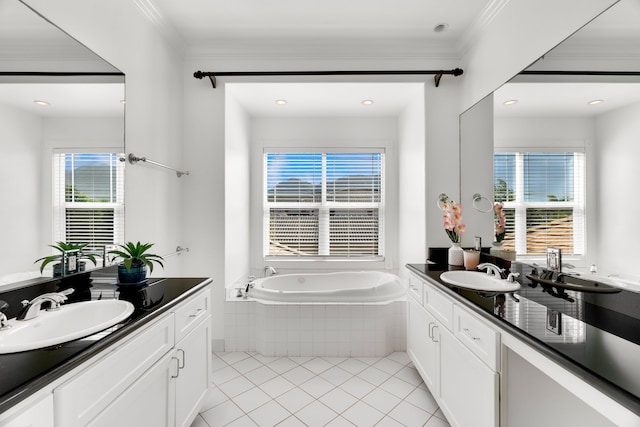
point(157, 377)
point(38, 414)
point(443, 341)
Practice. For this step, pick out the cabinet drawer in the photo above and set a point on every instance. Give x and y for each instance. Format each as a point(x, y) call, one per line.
point(479, 337)
point(439, 305)
point(79, 400)
point(191, 312)
point(415, 288)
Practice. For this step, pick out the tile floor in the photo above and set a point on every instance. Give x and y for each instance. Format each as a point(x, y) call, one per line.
point(253, 390)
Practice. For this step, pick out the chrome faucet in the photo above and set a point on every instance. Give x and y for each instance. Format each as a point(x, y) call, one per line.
point(512, 277)
point(492, 269)
point(32, 308)
point(3, 318)
point(269, 271)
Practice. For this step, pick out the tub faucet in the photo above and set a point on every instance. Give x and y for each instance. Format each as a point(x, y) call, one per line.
point(32, 308)
point(249, 286)
point(269, 271)
point(492, 270)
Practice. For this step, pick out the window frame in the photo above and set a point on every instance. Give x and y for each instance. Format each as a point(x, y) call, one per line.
point(323, 207)
point(520, 206)
point(60, 204)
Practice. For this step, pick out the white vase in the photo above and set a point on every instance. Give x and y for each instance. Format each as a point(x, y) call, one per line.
point(456, 255)
point(496, 249)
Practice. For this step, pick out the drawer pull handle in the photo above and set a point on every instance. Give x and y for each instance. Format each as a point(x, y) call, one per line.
point(177, 367)
point(471, 336)
point(181, 366)
point(196, 313)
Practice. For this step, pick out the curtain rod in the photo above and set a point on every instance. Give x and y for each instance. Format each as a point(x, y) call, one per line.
point(436, 78)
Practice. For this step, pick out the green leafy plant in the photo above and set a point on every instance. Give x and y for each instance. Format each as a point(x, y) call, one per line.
point(66, 247)
point(135, 254)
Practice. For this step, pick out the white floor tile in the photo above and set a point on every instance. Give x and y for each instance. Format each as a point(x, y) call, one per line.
point(389, 366)
point(260, 375)
point(222, 414)
point(316, 414)
point(409, 375)
point(236, 386)
point(336, 375)
point(363, 415)
point(251, 399)
point(292, 421)
point(424, 400)
point(436, 422)
point(269, 414)
point(295, 399)
point(276, 386)
point(374, 375)
point(357, 387)
point(397, 387)
point(298, 375)
point(409, 415)
point(250, 389)
point(317, 365)
point(354, 366)
point(338, 400)
point(340, 422)
point(381, 400)
point(242, 422)
point(282, 365)
point(316, 387)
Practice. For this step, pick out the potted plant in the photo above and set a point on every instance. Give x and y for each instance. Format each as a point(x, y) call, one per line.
point(66, 248)
point(135, 260)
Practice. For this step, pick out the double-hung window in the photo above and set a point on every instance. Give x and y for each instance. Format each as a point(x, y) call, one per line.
point(324, 204)
point(88, 198)
point(544, 200)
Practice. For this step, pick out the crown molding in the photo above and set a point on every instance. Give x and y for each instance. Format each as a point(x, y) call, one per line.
point(477, 27)
point(149, 10)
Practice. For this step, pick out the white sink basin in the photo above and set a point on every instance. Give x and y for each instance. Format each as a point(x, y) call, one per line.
point(478, 281)
point(71, 322)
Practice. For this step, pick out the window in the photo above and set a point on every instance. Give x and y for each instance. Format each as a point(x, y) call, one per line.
point(88, 199)
point(543, 195)
point(324, 204)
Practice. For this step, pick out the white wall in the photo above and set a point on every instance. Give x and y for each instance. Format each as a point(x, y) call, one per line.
point(123, 36)
point(237, 190)
point(20, 176)
point(412, 218)
point(618, 203)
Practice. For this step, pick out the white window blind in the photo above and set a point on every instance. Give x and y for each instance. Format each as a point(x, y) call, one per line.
point(88, 199)
point(544, 200)
point(324, 204)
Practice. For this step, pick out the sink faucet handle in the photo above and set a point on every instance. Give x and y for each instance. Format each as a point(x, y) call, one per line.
point(512, 277)
point(3, 318)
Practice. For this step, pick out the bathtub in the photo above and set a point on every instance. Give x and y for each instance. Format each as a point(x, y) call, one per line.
point(339, 287)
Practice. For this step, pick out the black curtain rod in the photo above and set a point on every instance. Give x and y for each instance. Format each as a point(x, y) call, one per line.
point(438, 73)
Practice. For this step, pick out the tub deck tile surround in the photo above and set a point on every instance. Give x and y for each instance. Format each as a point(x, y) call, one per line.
point(315, 329)
point(250, 389)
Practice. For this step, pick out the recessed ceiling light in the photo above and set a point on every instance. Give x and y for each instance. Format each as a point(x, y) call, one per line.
point(511, 102)
point(595, 102)
point(41, 103)
point(367, 102)
point(281, 102)
point(440, 27)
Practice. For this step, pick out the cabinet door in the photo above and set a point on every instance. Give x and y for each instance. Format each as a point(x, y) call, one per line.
point(422, 344)
point(39, 414)
point(149, 401)
point(468, 389)
point(193, 378)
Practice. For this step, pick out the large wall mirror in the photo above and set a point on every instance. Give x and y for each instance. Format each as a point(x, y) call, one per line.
point(61, 114)
point(564, 136)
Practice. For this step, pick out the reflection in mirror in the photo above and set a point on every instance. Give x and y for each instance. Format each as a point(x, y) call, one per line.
point(565, 149)
point(61, 133)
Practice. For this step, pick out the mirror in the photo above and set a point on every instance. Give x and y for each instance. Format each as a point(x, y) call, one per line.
point(553, 114)
point(85, 113)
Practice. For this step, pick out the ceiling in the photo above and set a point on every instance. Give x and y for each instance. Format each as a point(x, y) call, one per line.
point(321, 29)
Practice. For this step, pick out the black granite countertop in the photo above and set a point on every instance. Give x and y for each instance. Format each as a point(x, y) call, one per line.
point(596, 336)
point(26, 372)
